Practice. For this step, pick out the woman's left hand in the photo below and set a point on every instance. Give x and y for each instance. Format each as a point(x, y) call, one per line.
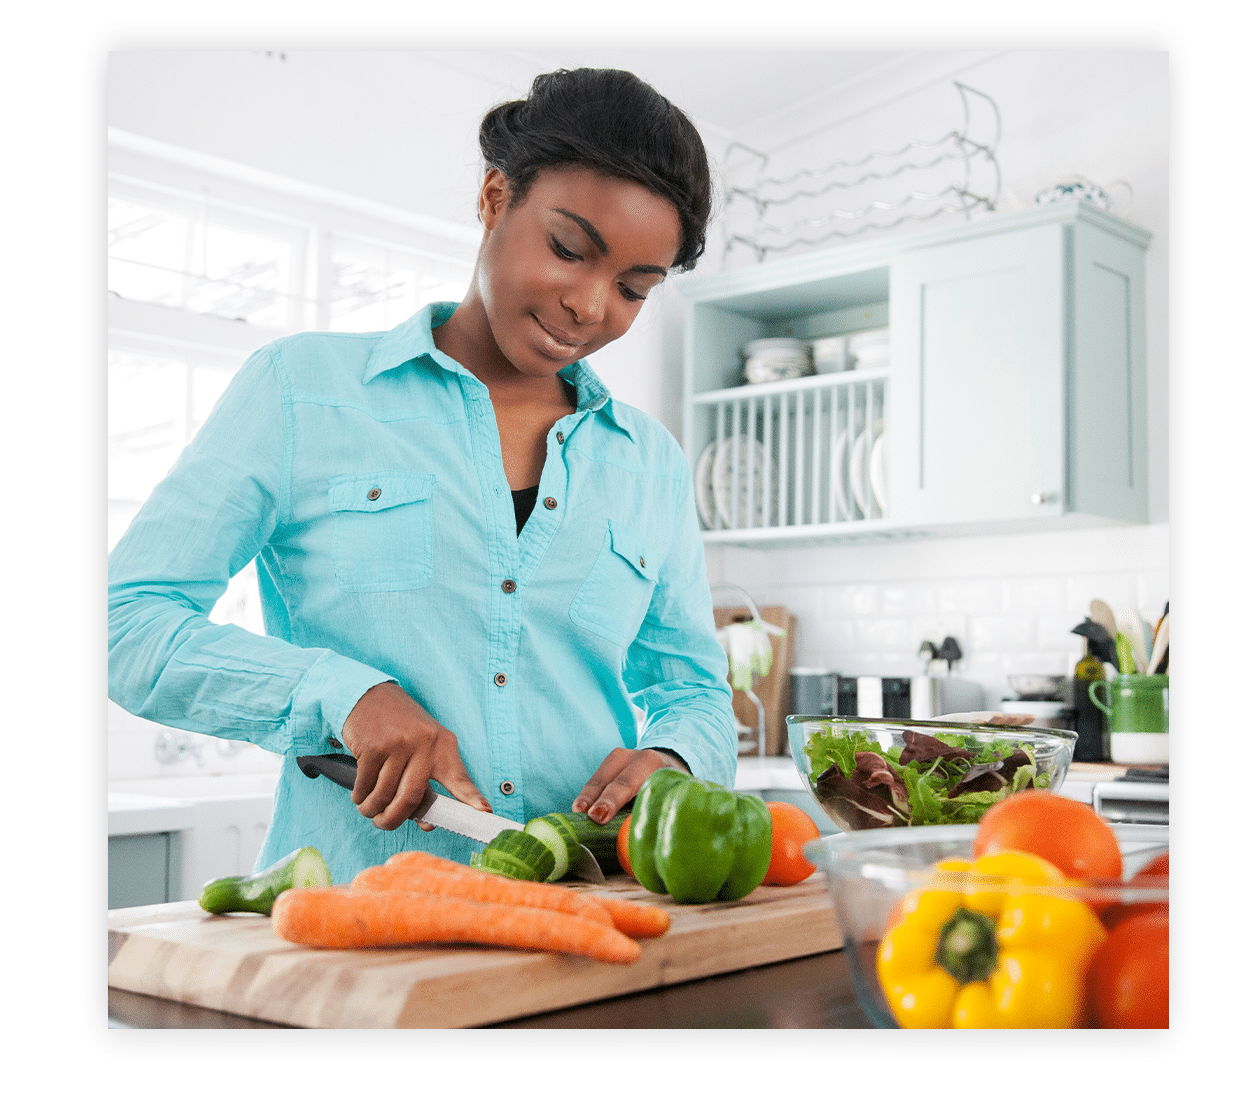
point(617, 780)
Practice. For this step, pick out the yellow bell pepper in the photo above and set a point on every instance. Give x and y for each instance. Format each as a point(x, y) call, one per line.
point(977, 955)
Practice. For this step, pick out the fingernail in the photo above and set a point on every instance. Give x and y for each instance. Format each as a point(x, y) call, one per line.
point(580, 806)
point(600, 813)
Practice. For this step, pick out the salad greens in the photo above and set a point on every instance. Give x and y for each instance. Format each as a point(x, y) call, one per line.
point(946, 779)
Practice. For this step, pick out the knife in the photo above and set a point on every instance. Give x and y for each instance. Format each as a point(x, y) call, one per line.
point(444, 812)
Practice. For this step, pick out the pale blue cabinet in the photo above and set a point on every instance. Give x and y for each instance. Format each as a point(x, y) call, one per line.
point(1013, 399)
point(1018, 381)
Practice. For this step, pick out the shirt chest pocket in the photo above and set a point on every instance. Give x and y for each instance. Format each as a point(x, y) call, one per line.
point(615, 595)
point(383, 537)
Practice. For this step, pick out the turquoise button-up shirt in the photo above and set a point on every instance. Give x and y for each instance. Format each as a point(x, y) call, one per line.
point(363, 472)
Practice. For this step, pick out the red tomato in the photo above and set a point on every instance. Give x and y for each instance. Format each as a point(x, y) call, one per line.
point(623, 831)
point(791, 829)
point(1127, 981)
point(1155, 873)
point(1065, 832)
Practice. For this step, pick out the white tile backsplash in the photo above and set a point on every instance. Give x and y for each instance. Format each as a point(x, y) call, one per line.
point(1010, 601)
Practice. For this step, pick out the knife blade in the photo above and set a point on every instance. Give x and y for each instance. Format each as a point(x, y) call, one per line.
point(444, 812)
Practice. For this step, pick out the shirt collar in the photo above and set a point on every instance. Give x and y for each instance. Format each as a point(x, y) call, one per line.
point(412, 340)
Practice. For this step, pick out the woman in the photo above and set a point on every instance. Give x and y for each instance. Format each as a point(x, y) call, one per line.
point(474, 564)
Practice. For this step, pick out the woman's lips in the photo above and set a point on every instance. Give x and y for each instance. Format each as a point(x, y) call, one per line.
point(560, 343)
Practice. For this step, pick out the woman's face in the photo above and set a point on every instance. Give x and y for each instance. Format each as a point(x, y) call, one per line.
point(566, 271)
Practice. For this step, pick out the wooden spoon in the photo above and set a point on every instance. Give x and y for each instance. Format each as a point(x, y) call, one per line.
point(1103, 615)
point(1160, 646)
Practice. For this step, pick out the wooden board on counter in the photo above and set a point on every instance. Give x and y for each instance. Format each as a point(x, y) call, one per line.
point(773, 689)
point(236, 963)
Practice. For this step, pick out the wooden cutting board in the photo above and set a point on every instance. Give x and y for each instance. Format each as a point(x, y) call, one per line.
point(235, 963)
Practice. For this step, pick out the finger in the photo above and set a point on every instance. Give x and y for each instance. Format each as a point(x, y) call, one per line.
point(411, 789)
point(623, 787)
point(457, 782)
point(368, 766)
point(384, 789)
point(617, 793)
point(609, 768)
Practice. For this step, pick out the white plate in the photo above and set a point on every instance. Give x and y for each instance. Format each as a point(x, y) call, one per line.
point(879, 473)
point(842, 474)
point(867, 339)
point(785, 345)
point(859, 459)
point(744, 491)
point(703, 487)
point(857, 474)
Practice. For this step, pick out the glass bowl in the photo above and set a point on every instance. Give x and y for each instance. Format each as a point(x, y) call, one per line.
point(868, 873)
point(981, 765)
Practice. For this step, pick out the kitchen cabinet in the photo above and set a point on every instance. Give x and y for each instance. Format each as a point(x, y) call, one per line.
point(1013, 397)
point(143, 869)
point(147, 838)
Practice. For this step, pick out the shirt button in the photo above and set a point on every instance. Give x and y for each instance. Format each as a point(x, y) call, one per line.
point(642, 563)
point(374, 494)
point(508, 586)
point(507, 787)
point(550, 503)
point(561, 438)
point(501, 679)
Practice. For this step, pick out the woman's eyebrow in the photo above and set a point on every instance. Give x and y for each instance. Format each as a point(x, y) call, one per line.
point(599, 241)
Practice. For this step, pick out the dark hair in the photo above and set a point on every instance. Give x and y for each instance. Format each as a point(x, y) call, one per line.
point(614, 122)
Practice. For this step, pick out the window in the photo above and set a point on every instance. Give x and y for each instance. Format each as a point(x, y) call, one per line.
point(204, 268)
point(187, 252)
point(375, 287)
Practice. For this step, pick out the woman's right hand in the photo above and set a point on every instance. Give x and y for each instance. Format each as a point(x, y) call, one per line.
point(399, 747)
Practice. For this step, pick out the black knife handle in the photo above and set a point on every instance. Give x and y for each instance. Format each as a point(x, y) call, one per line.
point(336, 766)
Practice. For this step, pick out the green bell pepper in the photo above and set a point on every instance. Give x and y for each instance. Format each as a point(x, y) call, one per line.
point(698, 841)
point(645, 815)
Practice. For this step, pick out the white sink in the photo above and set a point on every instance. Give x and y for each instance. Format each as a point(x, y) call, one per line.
point(199, 787)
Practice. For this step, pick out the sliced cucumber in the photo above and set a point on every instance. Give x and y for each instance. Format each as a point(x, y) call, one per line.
point(565, 833)
point(557, 834)
point(255, 893)
point(516, 854)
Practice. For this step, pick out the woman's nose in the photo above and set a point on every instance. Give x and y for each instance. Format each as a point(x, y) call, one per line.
point(585, 300)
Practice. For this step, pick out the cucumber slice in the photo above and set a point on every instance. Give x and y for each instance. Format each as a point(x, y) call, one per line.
point(516, 854)
point(255, 893)
point(557, 834)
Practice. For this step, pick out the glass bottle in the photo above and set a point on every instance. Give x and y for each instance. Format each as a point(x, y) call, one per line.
point(1092, 744)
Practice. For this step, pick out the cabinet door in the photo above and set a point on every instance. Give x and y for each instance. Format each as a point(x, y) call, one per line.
point(977, 400)
point(1108, 418)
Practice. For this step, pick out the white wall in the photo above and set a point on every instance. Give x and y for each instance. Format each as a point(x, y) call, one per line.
point(1010, 601)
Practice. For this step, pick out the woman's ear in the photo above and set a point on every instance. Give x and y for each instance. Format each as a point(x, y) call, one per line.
point(493, 197)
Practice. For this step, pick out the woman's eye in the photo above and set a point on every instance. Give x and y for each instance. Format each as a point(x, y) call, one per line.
point(630, 294)
point(562, 251)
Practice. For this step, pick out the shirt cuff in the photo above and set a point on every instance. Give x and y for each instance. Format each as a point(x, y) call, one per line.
point(324, 700)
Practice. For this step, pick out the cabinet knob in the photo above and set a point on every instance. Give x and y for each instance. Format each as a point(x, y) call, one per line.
point(1043, 497)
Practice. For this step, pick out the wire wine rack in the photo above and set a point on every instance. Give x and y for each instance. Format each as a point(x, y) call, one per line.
point(917, 163)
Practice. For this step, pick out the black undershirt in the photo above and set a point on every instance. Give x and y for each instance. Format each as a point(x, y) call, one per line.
point(524, 502)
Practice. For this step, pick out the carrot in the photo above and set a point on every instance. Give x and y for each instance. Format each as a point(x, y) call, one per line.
point(421, 871)
point(331, 917)
point(636, 919)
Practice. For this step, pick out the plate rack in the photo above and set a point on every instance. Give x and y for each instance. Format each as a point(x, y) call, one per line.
point(806, 452)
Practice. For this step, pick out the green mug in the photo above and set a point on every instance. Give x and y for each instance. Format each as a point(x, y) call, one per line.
point(1137, 709)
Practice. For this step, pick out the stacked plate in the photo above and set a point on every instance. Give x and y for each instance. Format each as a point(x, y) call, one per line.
point(731, 484)
point(869, 348)
point(776, 358)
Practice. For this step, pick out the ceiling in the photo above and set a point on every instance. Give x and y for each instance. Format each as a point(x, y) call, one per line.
point(381, 113)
